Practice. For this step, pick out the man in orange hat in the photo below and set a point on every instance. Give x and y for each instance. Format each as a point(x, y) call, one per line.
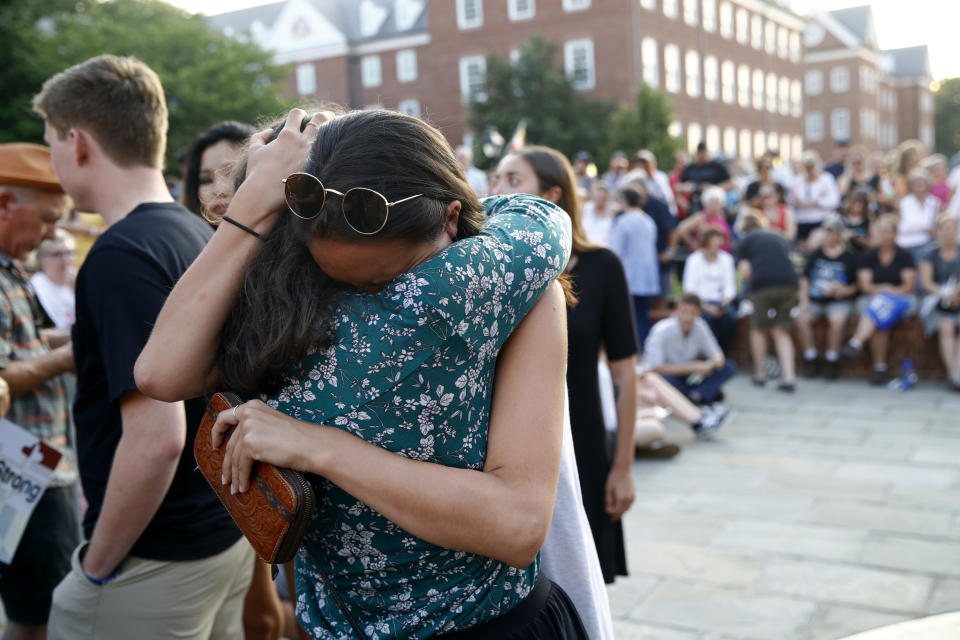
point(31, 204)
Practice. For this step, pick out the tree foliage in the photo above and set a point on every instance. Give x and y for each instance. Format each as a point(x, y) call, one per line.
point(206, 75)
point(947, 116)
point(643, 125)
point(533, 89)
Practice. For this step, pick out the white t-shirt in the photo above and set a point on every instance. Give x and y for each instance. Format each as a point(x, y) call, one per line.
point(597, 227)
point(569, 556)
point(711, 281)
point(917, 220)
point(56, 299)
point(822, 191)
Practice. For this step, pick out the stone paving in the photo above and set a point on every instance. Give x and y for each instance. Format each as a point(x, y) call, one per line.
point(810, 516)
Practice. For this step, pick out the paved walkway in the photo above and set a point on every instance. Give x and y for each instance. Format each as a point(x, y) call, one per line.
point(810, 516)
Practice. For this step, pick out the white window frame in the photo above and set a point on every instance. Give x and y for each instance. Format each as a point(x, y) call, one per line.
point(728, 82)
point(796, 99)
point(711, 78)
point(691, 12)
point(743, 85)
point(675, 130)
point(783, 96)
point(371, 71)
point(306, 79)
point(770, 37)
point(694, 136)
point(691, 68)
point(759, 143)
point(466, 90)
point(773, 141)
point(650, 58)
point(743, 26)
point(671, 8)
point(840, 123)
point(797, 149)
point(649, 5)
point(410, 107)
point(839, 79)
point(516, 13)
point(795, 51)
point(813, 82)
point(926, 102)
point(709, 13)
point(406, 65)
point(576, 5)
point(813, 126)
point(771, 92)
point(756, 32)
point(570, 50)
point(757, 89)
point(712, 138)
point(730, 141)
point(672, 73)
point(464, 23)
point(726, 19)
point(745, 143)
point(783, 42)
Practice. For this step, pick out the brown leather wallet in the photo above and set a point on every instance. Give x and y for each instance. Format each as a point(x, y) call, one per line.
point(275, 511)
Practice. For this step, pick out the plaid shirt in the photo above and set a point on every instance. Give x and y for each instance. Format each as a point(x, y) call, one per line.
point(43, 411)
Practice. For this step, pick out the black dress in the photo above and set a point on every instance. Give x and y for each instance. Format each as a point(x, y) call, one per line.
point(603, 319)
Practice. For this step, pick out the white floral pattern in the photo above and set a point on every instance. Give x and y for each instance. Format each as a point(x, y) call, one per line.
point(411, 370)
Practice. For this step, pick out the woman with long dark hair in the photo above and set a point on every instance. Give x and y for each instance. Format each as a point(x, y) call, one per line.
point(208, 162)
point(353, 307)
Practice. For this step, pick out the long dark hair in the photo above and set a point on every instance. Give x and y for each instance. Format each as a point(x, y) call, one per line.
point(233, 132)
point(286, 300)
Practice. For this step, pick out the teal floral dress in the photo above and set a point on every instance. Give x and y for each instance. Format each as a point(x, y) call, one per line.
point(411, 370)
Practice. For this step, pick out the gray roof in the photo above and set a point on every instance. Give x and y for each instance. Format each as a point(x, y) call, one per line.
point(240, 21)
point(910, 62)
point(858, 20)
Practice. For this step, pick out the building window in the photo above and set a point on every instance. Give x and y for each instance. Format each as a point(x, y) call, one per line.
point(743, 26)
point(864, 123)
point(649, 5)
point(773, 141)
point(576, 5)
point(796, 99)
point(713, 138)
point(756, 32)
point(840, 124)
point(675, 130)
point(473, 78)
point(370, 74)
point(926, 102)
point(770, 37)
point(746, 144)
point(758, 89)
point(306, 79)
point(710, 15)
point(711, 78)
point(406, 13)
point(469, 14)
point(520, 9)
point(813, 82)
point(730, 142)
point(743, 85)
point(694, 136)
point(783, 43)
point(784, 96)
point(670, 8)
point(794, 46)
point(410, 107)
point(772, 92)
point(798, 146)
point(578, 62)
point(728, 82)
point(759, 143)
point(839, 79)
point(726, 20)
point(671, 68)
point(406, 65)
point(690, 12)
point(651, 66)
point(691, 65)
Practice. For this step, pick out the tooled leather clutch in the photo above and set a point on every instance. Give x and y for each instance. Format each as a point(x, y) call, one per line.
point(275, 511)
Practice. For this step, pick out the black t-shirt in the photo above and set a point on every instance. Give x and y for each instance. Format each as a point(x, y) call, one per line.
point(753, 189)
point(822, 270)
point(769, 256)
point(703, 174)
point(891, 273)
point(121, 287)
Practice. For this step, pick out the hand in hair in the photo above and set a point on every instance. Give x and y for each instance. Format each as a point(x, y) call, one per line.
point(269, 160)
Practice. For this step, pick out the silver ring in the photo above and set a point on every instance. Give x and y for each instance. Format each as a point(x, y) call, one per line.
point(235, 416)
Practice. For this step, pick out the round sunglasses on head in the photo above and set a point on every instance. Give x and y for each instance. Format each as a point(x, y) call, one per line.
point(364, 210)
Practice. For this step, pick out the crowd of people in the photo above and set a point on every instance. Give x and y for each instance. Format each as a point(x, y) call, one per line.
point(382, 305)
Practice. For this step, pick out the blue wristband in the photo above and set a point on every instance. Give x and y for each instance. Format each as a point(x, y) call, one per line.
point(101, 581)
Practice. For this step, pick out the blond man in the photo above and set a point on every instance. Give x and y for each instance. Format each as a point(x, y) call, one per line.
point(163, 559)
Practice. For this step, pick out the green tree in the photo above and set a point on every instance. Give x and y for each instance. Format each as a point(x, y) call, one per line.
point(947, 116)
point(535, 90)
point(643, 125)
point(206, 75)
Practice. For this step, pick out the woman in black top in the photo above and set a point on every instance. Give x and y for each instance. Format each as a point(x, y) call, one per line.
point(601, 319)
point(940, 276)
point(889, 271)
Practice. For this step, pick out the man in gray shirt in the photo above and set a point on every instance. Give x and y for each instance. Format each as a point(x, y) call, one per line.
point(683, 350)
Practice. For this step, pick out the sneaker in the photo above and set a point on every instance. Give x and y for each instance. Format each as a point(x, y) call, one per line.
point(811, 368)
point(659, 450)
point(848, 352)
point(710, 422)
point(830, 370)
point(879, 377)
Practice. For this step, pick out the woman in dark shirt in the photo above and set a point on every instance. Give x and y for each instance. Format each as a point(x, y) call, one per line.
point(940, 276)
point(887, 274)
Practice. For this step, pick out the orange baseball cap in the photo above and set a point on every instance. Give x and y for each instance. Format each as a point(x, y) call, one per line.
point(24, 164)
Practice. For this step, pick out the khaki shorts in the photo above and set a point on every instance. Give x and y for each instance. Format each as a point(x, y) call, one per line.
point(772, 307)
point(154, 600)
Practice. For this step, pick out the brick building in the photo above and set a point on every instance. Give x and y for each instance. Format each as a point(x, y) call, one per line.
point(856, 91)
point(731, 67)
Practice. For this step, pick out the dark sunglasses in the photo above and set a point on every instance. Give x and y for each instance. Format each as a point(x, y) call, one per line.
point(365, 210)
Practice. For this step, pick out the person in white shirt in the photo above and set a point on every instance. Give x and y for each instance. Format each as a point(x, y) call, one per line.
point(662, 189)
point(53, 283)
point(710, 273)
point(598, 214)
point(918, 215)
point(814, 195)
point(475, 177)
